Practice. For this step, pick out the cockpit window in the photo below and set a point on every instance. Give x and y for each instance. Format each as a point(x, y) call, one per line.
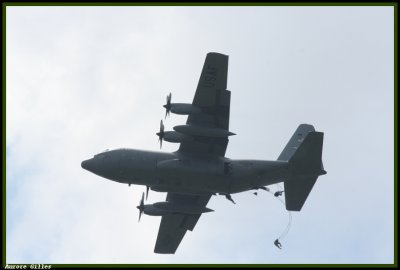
point(99, 156)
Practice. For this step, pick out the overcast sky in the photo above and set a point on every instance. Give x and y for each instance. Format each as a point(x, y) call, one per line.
point(84, 79)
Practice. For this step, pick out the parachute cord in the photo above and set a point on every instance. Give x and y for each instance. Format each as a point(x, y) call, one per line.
point(289, 225)
point(279, 186)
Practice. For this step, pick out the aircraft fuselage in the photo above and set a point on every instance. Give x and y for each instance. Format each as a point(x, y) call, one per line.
point(174, 172)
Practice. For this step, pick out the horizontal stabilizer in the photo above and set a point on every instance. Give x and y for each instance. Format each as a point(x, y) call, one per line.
point(297, 191)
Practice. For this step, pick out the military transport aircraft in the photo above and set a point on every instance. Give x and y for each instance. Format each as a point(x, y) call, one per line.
point(199, 168)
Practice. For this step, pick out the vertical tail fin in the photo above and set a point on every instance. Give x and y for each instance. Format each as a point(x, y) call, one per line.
point(304, 154)
point(294, 142)
point(307, 159)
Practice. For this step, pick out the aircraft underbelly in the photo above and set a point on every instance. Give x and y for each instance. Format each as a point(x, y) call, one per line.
point(217, 177)
point(191, 180)
point(169, 173)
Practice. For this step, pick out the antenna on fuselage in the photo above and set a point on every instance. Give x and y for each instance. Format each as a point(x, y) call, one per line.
point(228, 196)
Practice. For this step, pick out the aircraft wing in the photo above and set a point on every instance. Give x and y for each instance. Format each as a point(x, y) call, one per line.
point(174, 226)
point(214, 100)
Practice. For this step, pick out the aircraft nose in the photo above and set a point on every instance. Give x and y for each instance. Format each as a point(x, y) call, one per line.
point(86, 164)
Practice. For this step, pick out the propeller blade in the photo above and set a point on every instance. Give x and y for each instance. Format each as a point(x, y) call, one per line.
point(160, 134)
point(141, 206)
point(167, 106)
point(147, 192)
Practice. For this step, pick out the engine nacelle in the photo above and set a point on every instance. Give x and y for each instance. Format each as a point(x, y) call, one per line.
point(165, 208)
point(176, 137)
point(184, 108)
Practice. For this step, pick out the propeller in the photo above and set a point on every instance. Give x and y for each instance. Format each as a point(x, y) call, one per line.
point(167, 106)
point(161, 133)
point(147, 192)
point(141, 206)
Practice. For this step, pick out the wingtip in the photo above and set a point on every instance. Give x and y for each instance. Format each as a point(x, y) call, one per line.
point(217, 54)
point(160, 251)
